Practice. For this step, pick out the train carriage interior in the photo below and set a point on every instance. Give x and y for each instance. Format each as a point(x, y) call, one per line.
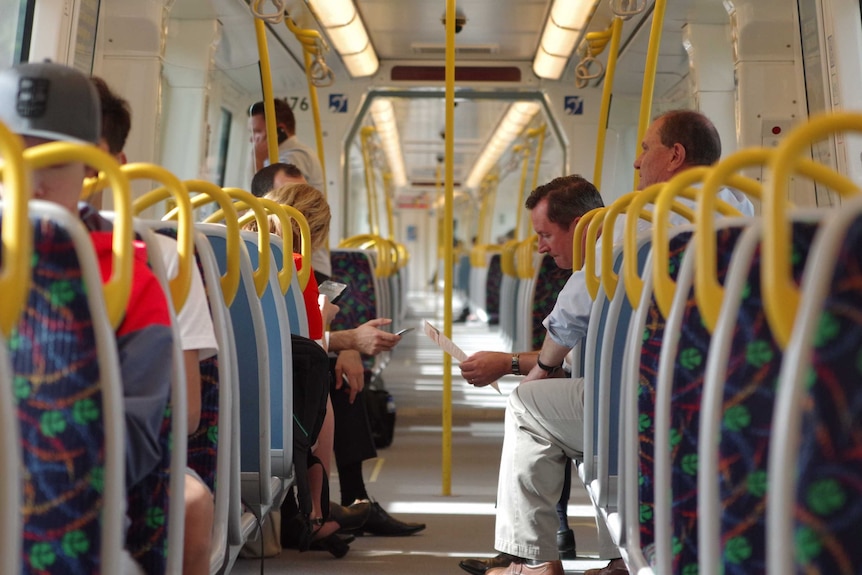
point(711, 341)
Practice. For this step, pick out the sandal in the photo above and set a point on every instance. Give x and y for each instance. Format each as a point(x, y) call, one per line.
point(331, 541)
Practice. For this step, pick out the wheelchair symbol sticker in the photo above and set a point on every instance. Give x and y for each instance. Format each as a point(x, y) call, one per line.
point(574, 105)
point(338, 103)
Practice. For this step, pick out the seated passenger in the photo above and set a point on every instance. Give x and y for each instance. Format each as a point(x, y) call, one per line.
point(197, 340)
point(544, 417)
point(66, 108)
point(353, 440)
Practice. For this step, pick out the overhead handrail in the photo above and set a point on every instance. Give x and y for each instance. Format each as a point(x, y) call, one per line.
point(626, 9)
point(318, 74)
point(607, 91)
point(208, 193)
point(17, 234)
point(179, 285)
point(274, 17)
point(706, 286)
point(592, 280)
point(118, 287)
point(649, 75)
point(781, 297)
point(680, 185)
point(261, 274)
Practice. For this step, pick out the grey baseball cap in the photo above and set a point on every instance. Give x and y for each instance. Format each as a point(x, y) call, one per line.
point(51, 101)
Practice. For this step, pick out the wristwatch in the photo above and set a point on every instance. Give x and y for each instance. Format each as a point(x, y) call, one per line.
point(547, 368)
point(516, 364)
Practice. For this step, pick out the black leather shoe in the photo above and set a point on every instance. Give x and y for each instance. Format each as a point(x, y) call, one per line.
point(566, 544)
point(381, 523)
point(352, 517)
point(479, 566)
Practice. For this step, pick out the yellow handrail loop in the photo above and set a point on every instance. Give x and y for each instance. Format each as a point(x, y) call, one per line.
point(17, 234)
point(273, 18)
point(578, 238)
point(179, 285)
point(208, 193)
point(781, 297)
point(626, 9)
point(261, 274)
point(118, 288)
point(590, 278)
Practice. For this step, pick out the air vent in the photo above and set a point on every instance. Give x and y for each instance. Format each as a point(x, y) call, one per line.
point(464, 50)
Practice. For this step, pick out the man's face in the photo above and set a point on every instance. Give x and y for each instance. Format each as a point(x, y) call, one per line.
point(554, 239)
point(257, 125)
point(60, 184)
point(655, 161)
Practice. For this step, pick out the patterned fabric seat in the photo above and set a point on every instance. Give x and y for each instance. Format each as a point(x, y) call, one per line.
point(551, 280)
point(359, 302)
point(749, 395)
point(828, 510)
point(60, 406)
point(493, 284)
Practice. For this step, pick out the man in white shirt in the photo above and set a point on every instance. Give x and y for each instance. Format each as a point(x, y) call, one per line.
point(544, 416)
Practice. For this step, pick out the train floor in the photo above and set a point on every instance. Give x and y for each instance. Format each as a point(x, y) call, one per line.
point(407, 477)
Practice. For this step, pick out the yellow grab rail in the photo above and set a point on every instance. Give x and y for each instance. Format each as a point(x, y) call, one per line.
point(663, 285)
point(179, 285)
point(631, 279)
point(590, 278)
point(266, 85)
point(507, 259)
point(117, 288)
point(261, 274)
point(207, 193)
point(607, 91)
point(524, 259)
point(285, 272)
point(479, 254)
point(285, 213)
point(524, 150)
point(578, 238)
point(649, 75)
point(17, 234)
point(781, 297)
point(313, 45)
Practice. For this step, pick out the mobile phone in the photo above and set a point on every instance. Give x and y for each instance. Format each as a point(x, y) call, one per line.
point(333, 290)
point(403, 331)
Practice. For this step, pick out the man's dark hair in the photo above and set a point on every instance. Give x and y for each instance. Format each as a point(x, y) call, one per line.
point(264, 180)
point(569, 197)
point(116, 116)
point(694, 132)
point(283, 114)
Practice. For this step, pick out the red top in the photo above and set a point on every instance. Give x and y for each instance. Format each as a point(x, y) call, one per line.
point(312, 309)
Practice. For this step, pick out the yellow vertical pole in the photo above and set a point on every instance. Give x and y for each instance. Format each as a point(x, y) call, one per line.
point(387, 194)
point(266, 84)
point(370, 194)
point(525, 168)
point(607, 90)
point(649, 74)
point(541, 132)
point(447, 239)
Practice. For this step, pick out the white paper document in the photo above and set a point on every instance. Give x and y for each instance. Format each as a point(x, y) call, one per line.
point(449, 346)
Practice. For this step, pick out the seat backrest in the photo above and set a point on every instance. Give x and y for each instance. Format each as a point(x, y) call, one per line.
point(359, 302)
point(10, 482)
point(69, 403)
point(208, 448)
point(815, 469)
point(253, 377)
point(493, 283)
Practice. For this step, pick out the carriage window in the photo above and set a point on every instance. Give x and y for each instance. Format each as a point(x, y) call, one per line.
point(16, 23)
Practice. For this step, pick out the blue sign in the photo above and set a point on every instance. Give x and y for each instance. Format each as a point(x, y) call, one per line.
point(338, 103)
point(574, 105)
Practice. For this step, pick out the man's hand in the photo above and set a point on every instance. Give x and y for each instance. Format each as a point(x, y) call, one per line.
point(367, 338)
point(349, 369)
point(485, 367)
